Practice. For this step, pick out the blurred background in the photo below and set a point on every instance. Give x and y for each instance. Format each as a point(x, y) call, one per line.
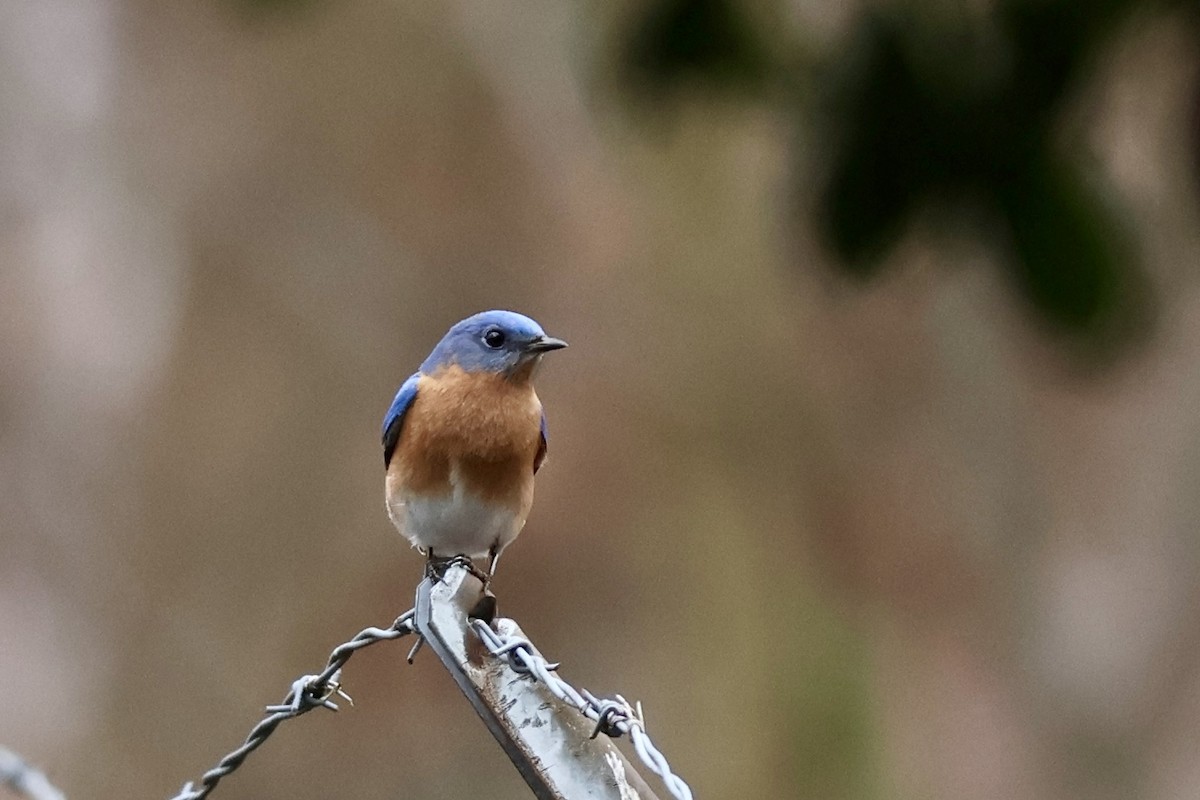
point(874, 462)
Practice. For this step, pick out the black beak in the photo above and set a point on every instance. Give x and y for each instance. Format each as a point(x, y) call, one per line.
point(544, 344)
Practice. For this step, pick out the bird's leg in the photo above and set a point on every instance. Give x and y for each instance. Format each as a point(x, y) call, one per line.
point(485, 609)
point(493, 557)
point(431, 564)
point(469, 565)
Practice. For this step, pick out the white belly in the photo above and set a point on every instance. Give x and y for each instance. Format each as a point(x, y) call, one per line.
point(456, 523)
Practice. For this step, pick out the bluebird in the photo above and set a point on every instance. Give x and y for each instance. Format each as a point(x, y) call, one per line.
point(464, 438)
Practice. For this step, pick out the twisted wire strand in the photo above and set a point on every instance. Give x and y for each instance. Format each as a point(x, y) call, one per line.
point(24, 779)
point(306, 693)
point(613, 717)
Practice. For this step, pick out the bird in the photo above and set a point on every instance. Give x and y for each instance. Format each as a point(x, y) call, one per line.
point(463, 439)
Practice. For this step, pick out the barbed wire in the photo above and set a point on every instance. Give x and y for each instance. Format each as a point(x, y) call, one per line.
point(25, 779)
point(613, 717)
point(307, 692)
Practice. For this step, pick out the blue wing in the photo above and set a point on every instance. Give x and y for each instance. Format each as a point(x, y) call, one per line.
point(541, 451)
point(393, 421)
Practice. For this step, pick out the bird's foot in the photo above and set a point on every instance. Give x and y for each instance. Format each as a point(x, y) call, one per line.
point(436, 568)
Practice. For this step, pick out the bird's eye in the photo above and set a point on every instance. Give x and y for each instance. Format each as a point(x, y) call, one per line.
point(494, 339)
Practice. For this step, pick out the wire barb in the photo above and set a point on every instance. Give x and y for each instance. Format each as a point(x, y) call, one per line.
point(614, 718)
point(306, 693)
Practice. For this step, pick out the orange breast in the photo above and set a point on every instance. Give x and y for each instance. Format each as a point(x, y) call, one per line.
point(477, 429)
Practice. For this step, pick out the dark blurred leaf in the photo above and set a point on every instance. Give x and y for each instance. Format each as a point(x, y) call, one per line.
point(934, 104)
point(1051, 42)
point(1070, 261)
point(925, 112)
point(709, 41)
point(877, 178)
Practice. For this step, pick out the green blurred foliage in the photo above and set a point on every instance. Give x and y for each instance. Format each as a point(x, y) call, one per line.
point(935, 108)
point(931, 103)
point(711, 42)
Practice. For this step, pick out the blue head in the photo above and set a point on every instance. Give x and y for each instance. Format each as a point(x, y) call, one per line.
point(492, 341)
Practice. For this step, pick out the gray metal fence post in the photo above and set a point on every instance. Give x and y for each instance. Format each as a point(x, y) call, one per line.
point(547, 740)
